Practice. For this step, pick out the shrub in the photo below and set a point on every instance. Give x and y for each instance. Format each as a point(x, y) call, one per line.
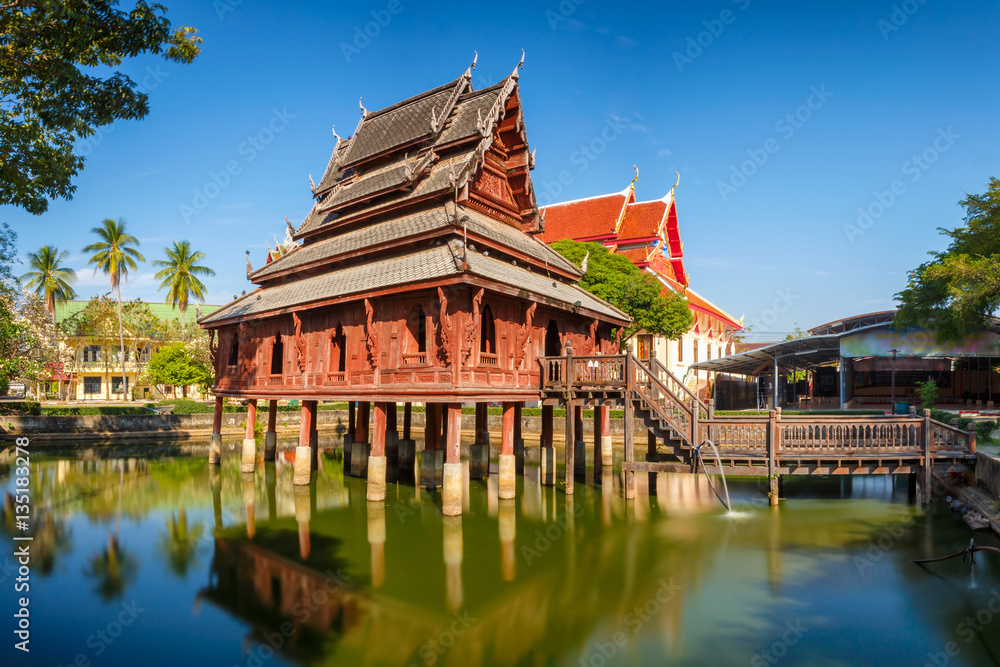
point(927, 392)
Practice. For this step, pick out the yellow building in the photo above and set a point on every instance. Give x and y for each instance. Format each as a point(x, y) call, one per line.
point(93, 372)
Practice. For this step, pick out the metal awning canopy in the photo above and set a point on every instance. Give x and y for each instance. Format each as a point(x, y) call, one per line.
point(801, 354)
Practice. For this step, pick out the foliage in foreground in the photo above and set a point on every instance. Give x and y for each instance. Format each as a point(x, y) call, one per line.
point(52, 96)
point(958, 291)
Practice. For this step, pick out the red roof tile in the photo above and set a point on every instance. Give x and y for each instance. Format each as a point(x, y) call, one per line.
point(584, 219)
point(642, 220)
point(636, 255)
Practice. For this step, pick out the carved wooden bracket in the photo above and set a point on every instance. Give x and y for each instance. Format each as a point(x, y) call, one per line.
point(618, 342)
point(446, 329)
point(591, 343)
point(301, 347)
point(371, 333)
point(472, 327)
point(523, 337)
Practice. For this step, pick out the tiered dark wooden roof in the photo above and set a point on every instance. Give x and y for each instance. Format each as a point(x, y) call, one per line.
point(434, 189)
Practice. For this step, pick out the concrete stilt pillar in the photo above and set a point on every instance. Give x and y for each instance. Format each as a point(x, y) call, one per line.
point(451, 494)
point(508, 463)
point(377, 460)
point(479, 453)
point(376, 538)
point(215, 444)
point(271, 435)
point(248, 461)
point(452, 526)
point(508, 532)
point(303, 453)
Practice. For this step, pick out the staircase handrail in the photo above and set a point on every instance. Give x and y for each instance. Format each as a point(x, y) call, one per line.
point(690, 394)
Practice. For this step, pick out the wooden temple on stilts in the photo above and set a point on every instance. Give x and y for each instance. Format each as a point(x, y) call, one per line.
point(416, 277)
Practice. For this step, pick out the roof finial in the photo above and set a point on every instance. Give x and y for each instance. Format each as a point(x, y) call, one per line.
point(364, 111)
point(312, 186)
point(291, 230)
point(249, 267)
point(636, 175)
point(335, 135)
point(677, 183)
point(475, 57)
point(531, 157)
point(520, 65)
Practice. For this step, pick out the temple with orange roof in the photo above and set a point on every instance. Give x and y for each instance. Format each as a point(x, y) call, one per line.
point(647, 233)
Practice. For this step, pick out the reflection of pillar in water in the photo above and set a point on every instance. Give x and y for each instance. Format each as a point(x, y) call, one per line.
point(453, 560)
point(215, 444)
point(270, 484)
point(607, 491)
point(215, 482)
point(302, 514)
point(249, 493)
point(376, 538)
point(507, 534)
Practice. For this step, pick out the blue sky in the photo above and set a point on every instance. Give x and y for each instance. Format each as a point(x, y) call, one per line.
point(783, 119)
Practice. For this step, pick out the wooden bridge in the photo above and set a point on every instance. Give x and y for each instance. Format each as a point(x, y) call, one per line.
point(681, 427)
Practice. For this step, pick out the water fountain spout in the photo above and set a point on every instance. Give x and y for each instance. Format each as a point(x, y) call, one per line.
point(725, 487)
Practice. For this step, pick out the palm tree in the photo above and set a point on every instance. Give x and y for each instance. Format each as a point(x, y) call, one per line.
point(114, 256)
point(179, 274)
point(51, 280)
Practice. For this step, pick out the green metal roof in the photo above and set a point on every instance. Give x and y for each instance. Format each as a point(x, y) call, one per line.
point(163, 311)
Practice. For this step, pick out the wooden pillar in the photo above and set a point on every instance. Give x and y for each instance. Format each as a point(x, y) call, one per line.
point(453, 432)
point(215, 444)
point(390, 419)
point(517, 421)
point(376, 460)
point(479, 452)
point(361, 425)
point(927, 437)
point(773, 440)
point(508, 464)
point(443, 421)
point(518, 441)
point(598, 440)
point(628, 474)
point(248, 460)
point(570, 446)
point(482, 427)
point(351, 420)
point(546, 453)
point(271, 435)
point(407, 407)
point(547, 418)
point(432, 428)
point(251, 418)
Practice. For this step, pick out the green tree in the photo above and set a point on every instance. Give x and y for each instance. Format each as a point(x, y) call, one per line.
point(172, 364)
point(51, 280)
point(51, 94)
point(957, 292)
point(619, 282)
point(179, 274)
point(114, 256)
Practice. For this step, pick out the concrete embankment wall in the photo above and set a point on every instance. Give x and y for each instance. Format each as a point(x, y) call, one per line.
point(988, 473)
point(166, 427)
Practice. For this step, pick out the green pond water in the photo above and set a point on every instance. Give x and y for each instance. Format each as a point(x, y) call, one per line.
point(171, 562)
